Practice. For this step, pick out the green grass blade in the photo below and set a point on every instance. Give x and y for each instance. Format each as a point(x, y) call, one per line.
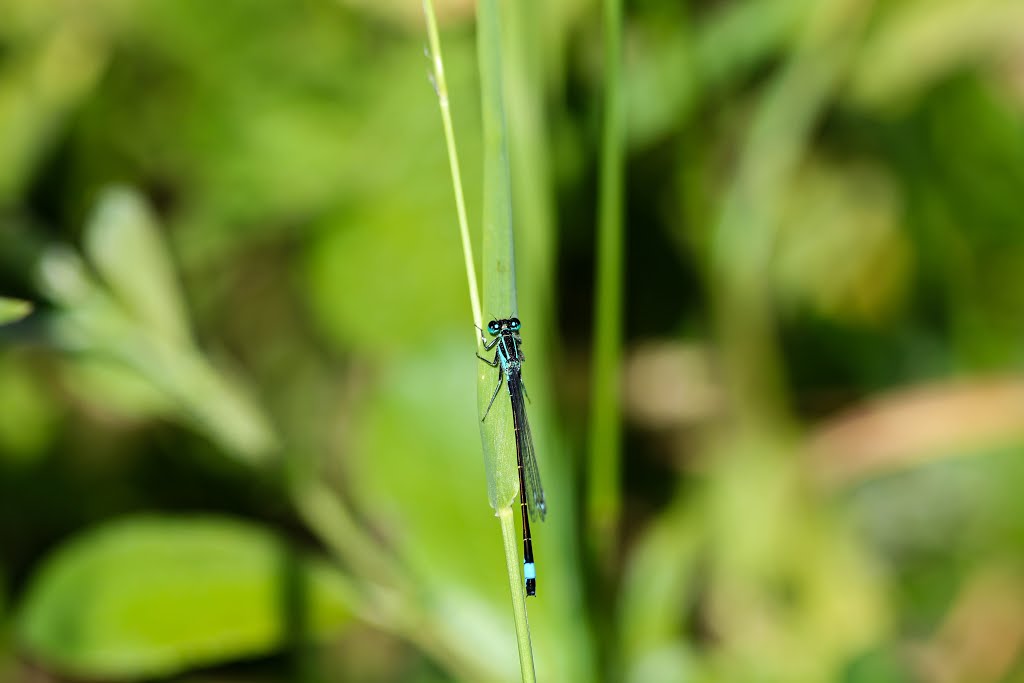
point(13, 309)
point(498, 255)
point(500, 300)
point(441, 87)
point(510, 542)
point(603, 494)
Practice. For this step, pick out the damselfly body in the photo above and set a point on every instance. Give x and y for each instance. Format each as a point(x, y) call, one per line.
point(508, 358)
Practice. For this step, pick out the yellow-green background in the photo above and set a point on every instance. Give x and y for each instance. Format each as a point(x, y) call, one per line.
point(238, 434)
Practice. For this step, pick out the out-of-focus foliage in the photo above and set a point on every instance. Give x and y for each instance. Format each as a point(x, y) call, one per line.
point(13, 309)
point(233, 287)
point(151, 597)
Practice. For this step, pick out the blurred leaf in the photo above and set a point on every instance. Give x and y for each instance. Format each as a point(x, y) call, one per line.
point(436, 449)
point(410, 14)
point(414, 264)
point(39, 86)
point(13, 309)
point(839, 602)
point(792, 597)
point(121, 391)
point(923, 41)
point(877, 666)
point(655, 594)
point(840, 250)
point(290, 124)
point(982, 635)
point(152, 596)
point(917, 425)
point(91, 321)
point(62, 277)
point(675, 63)
point(421, 479)
point(398, 233)
point(124, 244)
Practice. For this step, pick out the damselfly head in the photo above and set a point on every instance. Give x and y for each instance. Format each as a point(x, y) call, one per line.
point(495, 327)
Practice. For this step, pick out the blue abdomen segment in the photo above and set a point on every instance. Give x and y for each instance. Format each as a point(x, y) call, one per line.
point(529, 570)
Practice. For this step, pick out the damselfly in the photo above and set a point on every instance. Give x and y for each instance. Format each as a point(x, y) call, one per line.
point(508, 358)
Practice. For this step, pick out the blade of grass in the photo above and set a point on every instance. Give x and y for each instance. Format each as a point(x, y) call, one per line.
point(13, 309)
point(500, 299)
point(530, 59)
point(387, 599)
point(656, 580)
point(441, 88)
point(498, 255)
point(604, 499)
point(510, 541)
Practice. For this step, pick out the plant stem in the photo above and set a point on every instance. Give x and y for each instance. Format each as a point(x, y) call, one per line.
point(500, 299)
point(387, 599)
point(604, 497)
point(498, 255)
point(441, 88)
point(510, 540)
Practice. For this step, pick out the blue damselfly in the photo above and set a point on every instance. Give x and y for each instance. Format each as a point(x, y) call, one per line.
point(508, 358)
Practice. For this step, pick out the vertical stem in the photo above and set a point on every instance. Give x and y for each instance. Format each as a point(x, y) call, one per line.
point(604, 499)
point(529, 26)
point(499, 277)
point(510, 541)
point(500, 299)
point(498, 250)
point(441, 87)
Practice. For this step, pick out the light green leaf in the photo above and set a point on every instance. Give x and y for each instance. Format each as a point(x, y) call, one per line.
point(658, 578)
point(97, 321)
point(46, 75)
point(124, 243)
point(925, 41)
point(13, 309)
point(115, 389)
point(153, 596)
point(840, 250)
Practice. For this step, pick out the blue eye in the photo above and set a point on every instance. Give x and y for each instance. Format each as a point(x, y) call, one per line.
point(492, 327)
point(514, 324)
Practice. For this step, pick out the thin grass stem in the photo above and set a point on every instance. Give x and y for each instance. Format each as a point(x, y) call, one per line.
point(604, 498)
point(510, 540)
point(441, 88)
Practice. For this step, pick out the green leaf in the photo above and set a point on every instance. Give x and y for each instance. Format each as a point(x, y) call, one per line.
point(114, 388)
point(153, 596)
point(499, 269)
point(860, 267)
point(923, 42)
point(94, 320)
point(13, 309)
point(124, 243)
point(658, 578)
point(52, 63)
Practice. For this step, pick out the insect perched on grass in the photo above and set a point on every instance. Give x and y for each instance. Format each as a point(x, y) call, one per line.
point(508, 358)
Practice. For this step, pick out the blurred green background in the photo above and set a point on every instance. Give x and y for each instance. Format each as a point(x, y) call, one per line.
point(238, 432)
